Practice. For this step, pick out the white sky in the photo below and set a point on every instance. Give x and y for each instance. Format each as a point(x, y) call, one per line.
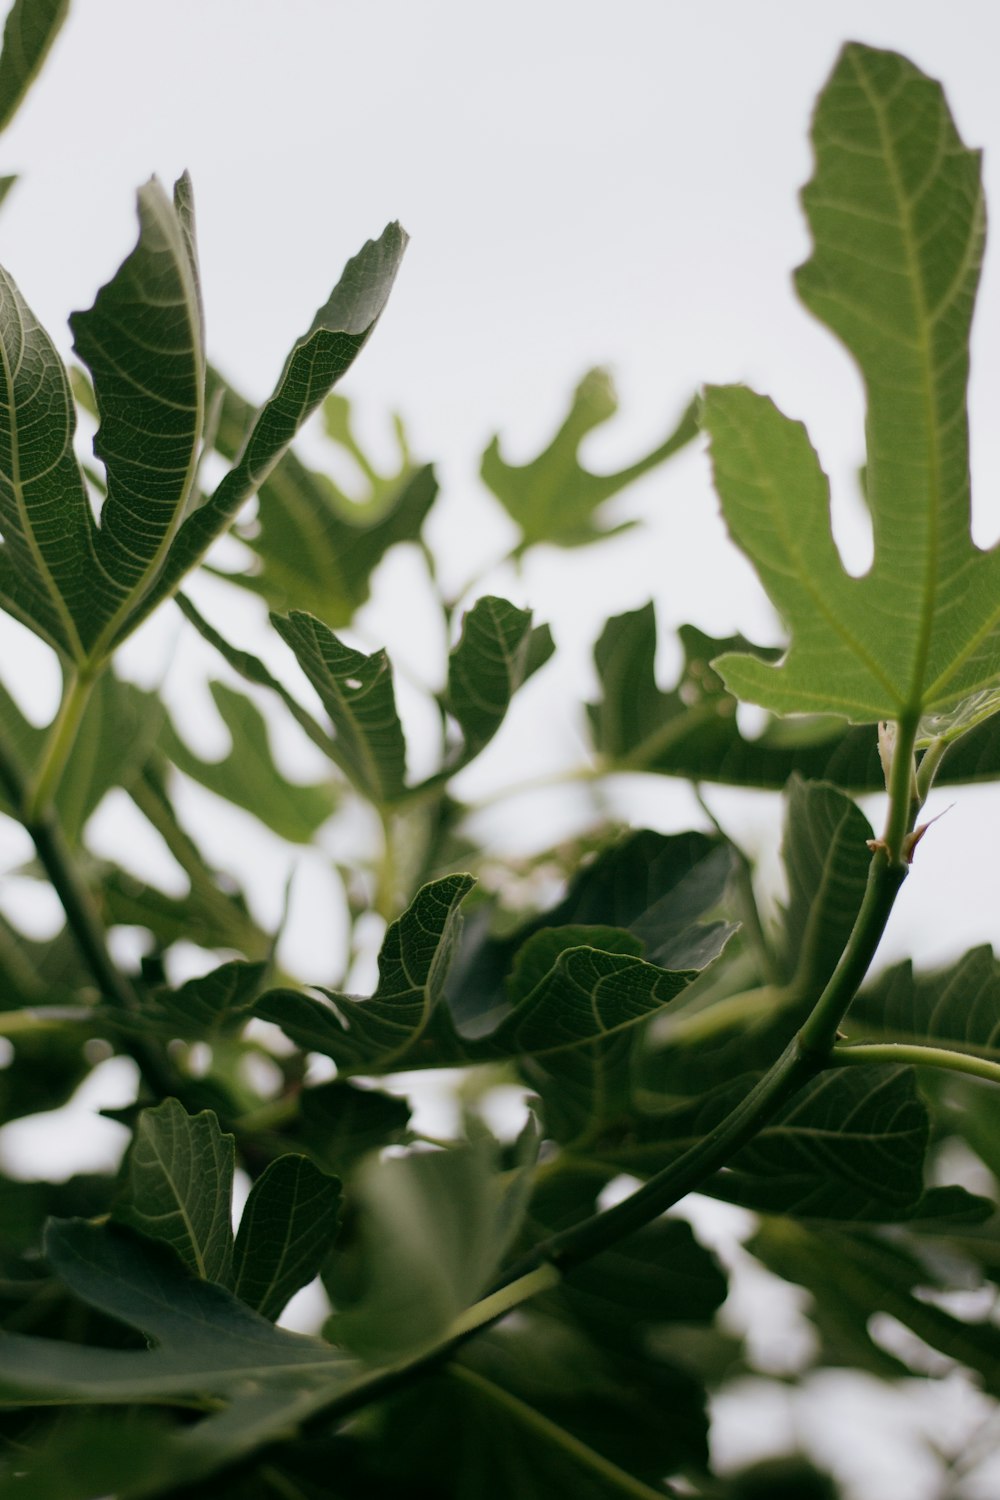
point(583, 184)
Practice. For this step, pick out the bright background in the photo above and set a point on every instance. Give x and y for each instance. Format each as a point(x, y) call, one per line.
point(583, 184)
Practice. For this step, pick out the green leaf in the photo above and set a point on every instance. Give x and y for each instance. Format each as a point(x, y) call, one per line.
point(120, 726)
point(957, 1007)
point(896, 212)
point(826, 857)
point(339, 1122)
point(48, 558)
point(248, 777)
point(215, 1002)
point(403, 1021)
point(29, 31)
point(142, 341)
point(317, 361)
point(851, 1276)
point(493, 657)
point(427, 1235)
point(356, 691)
point(207, 1345)
point(286, 1232)
point(316, 548)
point(565, 992)
point(850, 1146)
point(553, 498)
point(86, 1454)
point(180, 1187)
point(691, 730)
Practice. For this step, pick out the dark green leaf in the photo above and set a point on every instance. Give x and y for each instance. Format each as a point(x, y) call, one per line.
point(248, 777)
point(317, 361)
point(387, 1030)
point(213, 1002)
point(180, 1187)
point(208, 1345)
point(356, 691)
point(958, 1007)
point(826, 857)
point(30, 29)
point(553, 498)
point(48, 558)
point(142, 341)
point(286, 1232)
point(83, 1455)
point(492, 659)
point(340, 1122)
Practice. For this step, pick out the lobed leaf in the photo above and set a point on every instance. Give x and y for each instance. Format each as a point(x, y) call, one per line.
point(958, 1007)
point(403, 1020)
point(896, 211)
point(247, 775)
point(553, 498)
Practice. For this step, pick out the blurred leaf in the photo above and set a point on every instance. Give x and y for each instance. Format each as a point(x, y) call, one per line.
point(48, 557)
point(356, 691)
point(317, 361)
point(896, 211)
point(180, 1186)
point(286, 1231)
point(691, 730)
point(826, 857)
point(957, 1007)
point(553, 498)
point(403, 1021)
point(120, 726)
point(316, 548)
point(495, 654)
point(29, 31)
point(426, 1237)
point(339, 1122)
point(851, 1276)
point(83, 1455)
point(248, 777)
point(210, 1003)
point(142, 342)
point(254, 670)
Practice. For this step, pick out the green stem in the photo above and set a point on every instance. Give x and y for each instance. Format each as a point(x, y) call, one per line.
point(930, 762)
point(897, 1053)
point(903, 803)
point(41, 790)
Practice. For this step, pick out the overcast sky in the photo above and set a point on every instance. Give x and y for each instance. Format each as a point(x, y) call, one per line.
point(583, 184)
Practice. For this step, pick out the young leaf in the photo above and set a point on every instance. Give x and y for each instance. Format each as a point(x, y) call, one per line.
point(248, 777)
point(142, 341)
point(287, 1230)
point(896, 211)
point(317, 361)
point(400, 1023)
point(29, 31)
point(553, 498)
point(48, 558)
point(180, 1187)
point(493, 657)
point(356, 691)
